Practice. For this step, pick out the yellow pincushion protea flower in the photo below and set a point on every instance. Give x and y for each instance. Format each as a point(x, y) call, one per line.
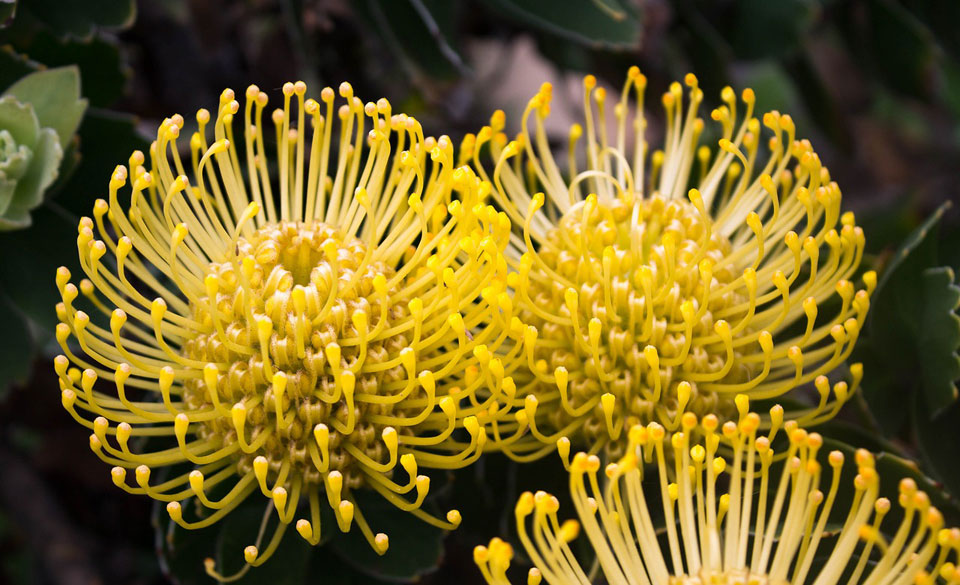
point(302, 349)
point(770, 527)
point(653, 284)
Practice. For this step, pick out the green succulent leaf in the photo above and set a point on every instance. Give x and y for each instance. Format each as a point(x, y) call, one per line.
point(38, 176)
point(936, 419)
point(911, 329)
point(20, 120)
point(937, 438)
point(939, 340)
point(8, 188)
point(30, 157)
point(55, 97)
point(612, 24)
point(911, 245)
point(39, 115)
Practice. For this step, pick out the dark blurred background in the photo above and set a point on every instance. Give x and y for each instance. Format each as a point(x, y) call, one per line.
point(875, 84)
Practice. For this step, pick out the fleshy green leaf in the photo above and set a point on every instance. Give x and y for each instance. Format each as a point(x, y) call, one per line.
point(19, 120)
point(611, 24)
point(42, 172)
point(7, 189)
point(950, 91)
point(896, 344)
point(940, 336)
point(16, 163)
point(911, 244)
point(949, 252)
point(938, 437)
point(55, 97)
point(936, 419)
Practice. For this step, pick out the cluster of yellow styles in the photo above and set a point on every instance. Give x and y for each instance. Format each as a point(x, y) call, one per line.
point(767, 529)
point(300, 321)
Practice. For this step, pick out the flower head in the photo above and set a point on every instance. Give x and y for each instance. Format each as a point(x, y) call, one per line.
point(653, 284)
point(303, 336)
point(771, 526)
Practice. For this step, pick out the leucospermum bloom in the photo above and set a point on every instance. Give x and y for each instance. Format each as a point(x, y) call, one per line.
point(771, 526)
point(663, 282)
point(304, 337)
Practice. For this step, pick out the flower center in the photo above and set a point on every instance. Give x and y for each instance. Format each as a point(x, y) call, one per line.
point(643, 307)
point(301, 302)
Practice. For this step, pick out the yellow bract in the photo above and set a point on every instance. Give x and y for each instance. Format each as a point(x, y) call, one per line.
point(301, 337)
